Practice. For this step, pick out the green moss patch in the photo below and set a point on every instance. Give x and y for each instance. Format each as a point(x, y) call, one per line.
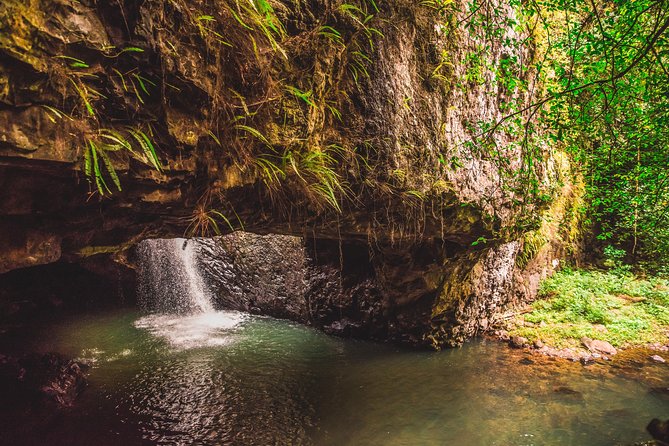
point(623, 310)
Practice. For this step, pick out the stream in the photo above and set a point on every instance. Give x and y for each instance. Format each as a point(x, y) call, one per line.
point(229, 378)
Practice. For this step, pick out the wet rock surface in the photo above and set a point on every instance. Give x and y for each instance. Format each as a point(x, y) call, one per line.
point(46, 380)
point(658, 358)
point(518, 342)
point(332, 285)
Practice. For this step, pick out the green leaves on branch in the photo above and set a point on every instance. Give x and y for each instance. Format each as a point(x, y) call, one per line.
point(607, 80)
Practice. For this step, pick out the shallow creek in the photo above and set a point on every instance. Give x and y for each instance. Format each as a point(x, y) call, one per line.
point(229, 378)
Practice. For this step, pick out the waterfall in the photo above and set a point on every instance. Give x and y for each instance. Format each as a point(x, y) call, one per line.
point(172, 289)
point(198, 294)
point(169, 280)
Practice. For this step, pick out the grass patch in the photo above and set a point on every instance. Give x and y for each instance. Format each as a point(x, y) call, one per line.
point(621, 309)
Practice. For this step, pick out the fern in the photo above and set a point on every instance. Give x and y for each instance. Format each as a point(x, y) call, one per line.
point(54, 114)
point(132, 140)
point(83, 94)
point(93, 166)
point(270, 172)
point(253, 132)
point(303, 95)
point(331, 34)
point(147, 147)
point(74, 62)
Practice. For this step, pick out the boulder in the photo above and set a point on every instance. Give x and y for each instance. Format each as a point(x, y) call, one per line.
point(597, 346)
point(659, 430)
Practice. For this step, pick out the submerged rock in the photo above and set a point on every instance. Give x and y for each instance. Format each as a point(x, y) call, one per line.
point(45, 379)
point(567, 391)
point(56, 379)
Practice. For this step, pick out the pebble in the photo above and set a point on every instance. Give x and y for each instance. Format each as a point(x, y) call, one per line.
point(587, 360)
point(658, 358)
point(518, 342)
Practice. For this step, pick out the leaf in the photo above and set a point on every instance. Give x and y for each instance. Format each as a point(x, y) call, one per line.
point(99, 179)
point(54, 113)
point(118, 141)
point(225, 219)
point(74, 62)
point(303, 95)
point(110, 168)
point(83, 95)
point(147, 148)
point(120, 75)
point(210, 133)
point(254, 132)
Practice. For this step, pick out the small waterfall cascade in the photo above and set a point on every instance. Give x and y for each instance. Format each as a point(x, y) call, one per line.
point(169, 280)
point(174, 292)
point(199, 295)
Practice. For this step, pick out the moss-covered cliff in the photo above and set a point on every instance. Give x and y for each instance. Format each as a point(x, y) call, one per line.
point(361, 122)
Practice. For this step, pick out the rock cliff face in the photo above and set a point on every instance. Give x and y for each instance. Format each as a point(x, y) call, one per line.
point(354, 125)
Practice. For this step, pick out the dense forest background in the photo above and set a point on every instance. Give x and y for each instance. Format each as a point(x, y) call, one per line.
point(606, 100)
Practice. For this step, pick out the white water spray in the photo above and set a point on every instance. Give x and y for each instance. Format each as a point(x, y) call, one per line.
point(170, 281)
point(199, 295)
point(171, 287)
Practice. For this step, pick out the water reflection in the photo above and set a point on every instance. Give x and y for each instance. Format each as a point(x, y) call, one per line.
point(241, 380)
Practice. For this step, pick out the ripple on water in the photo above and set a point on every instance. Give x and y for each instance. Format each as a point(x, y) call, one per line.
point(183, 332)
point(277, 383)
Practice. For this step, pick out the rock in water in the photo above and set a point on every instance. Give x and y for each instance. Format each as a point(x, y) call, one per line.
point(518, 342)
point(56, 379)
point(659, 430)
point(597, 346)
point(658, 358)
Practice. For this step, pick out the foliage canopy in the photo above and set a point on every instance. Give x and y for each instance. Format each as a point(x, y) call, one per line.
point(606, 69)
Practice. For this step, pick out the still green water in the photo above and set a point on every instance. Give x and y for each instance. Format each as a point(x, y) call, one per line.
point(227, 378)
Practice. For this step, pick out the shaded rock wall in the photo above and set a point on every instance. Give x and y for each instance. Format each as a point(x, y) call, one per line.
point(403, 161)
point(335, 286)
point(424, 294)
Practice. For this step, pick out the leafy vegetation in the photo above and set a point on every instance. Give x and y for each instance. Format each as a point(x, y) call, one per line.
point(618, 308)
point(98, 149)
point(604, 70)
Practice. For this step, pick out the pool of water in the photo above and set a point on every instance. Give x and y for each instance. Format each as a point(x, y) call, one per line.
point(232, 379)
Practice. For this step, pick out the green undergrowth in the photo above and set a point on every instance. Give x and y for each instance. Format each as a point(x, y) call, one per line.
point(621, 309)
